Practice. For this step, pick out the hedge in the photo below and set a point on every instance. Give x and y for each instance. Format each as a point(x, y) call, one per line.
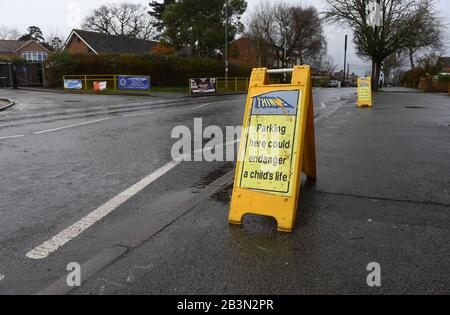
point(165, 71)
point(412, 77)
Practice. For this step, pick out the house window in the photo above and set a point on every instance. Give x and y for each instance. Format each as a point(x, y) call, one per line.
point(35, 56)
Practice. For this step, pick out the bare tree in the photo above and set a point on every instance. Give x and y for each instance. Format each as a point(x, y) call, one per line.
point(428, 33)
point(7, 33)
point(328, 66)
point(392, 64)
point(296, 28)
point(402, 20)
point(55, 42)
point(121, 19)
point(260, 25)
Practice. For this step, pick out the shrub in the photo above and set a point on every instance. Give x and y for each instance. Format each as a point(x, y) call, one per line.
point(444, 78)
point(412, 77)
point(165, 71)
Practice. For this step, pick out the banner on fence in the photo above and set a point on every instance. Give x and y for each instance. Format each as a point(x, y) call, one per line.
point(100, 85)
point(203, 86)
point(133, 83)
point(73, 84)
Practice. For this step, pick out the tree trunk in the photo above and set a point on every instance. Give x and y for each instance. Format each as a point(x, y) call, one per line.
point(377, 76)
point(411, 59)
point(373, 75)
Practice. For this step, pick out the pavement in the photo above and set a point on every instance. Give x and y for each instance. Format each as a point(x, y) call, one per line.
point(382, 195)
point(5, 104)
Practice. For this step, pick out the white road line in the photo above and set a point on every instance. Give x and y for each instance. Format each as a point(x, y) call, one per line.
point(71, 126)
point(53, 244)
point(2, 277)
point(11, 137)
point(328, 113)
point(56, 242)
point(168, 111)
point(109, 118)
point(201, 106)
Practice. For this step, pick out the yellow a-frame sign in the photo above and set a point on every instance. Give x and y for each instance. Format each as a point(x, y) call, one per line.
point(365, 92)
point(277, 143)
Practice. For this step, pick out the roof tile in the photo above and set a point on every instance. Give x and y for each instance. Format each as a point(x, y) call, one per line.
point(115, 44)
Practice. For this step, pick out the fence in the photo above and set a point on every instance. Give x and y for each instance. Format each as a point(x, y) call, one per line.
point(111, 80)
point(5, 74)
point(434, 85)
point(236, 84)
point(30, 74)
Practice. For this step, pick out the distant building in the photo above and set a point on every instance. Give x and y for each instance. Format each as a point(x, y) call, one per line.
point(30, 50)
point(245, 51)
point(445, 63)
point(339, 75)
point(350, 79)
point(86, 42)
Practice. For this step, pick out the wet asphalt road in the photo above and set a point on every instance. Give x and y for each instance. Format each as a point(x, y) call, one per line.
point(382, 195)
point(63, 156)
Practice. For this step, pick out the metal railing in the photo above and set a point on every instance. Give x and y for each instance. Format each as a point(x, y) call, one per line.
point(110, 79)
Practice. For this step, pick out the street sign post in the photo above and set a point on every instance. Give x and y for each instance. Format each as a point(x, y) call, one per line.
point(277, 143)
point(365, 92)
point(373, 14)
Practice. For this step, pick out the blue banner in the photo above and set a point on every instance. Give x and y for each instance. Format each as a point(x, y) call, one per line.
point(133, 83)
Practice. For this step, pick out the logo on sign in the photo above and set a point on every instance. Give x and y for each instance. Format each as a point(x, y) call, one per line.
point(123, 82)
point(272, 102)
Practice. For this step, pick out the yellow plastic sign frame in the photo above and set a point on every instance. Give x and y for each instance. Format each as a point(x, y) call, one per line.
point(280, 205)
point(365, 92)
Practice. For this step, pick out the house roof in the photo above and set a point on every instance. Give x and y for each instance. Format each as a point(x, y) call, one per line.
point(11, 46)
point(113, 44)
point(241, 38)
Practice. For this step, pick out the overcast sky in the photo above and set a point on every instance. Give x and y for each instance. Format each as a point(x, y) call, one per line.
point(60, 16)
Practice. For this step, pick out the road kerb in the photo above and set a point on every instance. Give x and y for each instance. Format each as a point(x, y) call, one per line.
point(8, 104)
point(109, 255)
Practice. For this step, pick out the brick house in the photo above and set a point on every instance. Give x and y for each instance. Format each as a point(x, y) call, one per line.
point(245, 51)
point(445, 63)
point(86, 42)
point(30, 50)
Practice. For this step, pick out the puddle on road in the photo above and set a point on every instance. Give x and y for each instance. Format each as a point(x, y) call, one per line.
point(214, 175)
point(224, 196)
